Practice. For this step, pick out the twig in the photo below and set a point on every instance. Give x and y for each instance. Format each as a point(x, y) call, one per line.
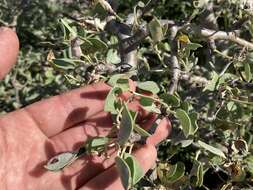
point(218, 35)
point(174, 61)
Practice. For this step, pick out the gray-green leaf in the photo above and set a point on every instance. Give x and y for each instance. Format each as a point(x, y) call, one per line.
point(185, 121)
point(149, 86)
point(156, 30)
point(112, 57)
point(141, 131)
point(60, 161)
point(247, 70)
point(110, 101)
point(135, 168)
point(211, 86)
point(124, 172)
point(63, 63)
point(211, 149)
point(176, 172)
point(126, 126)
point(171, 100)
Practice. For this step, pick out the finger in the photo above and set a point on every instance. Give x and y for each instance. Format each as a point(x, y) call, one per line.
point(162, 131)
point(61, 112)
point(110, 179)
point(9, 46)
point(73, 138)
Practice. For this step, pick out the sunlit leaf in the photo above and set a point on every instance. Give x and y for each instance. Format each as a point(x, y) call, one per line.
point(94, 144)
point(69, 28)
point(60, 161)
point(194, 126)
point(185, 106)
point(63, 63)
point(92, 45)
point(156, 30)
point(123, 84)
point(185, 121)
point(211, 86)
point(149, 86)
point(152, 108)
point(249, 162)
point(135, 168)
point(247, 71)
point(110, 101)
point(113, 57)
point(106, 6)
point(211, 149)
point(176, 172)
point(141, 131)
point(200, 175)
point(113, 80)
point(193, 46)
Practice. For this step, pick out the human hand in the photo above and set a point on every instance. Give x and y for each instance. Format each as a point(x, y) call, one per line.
point(32, 135)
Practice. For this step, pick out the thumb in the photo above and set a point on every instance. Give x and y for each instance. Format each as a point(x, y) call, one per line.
point(9, 46)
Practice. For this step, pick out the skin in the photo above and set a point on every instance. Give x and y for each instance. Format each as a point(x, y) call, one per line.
point(32, 135)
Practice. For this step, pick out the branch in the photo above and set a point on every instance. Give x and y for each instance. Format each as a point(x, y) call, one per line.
point(218, 35)
point(174, 61)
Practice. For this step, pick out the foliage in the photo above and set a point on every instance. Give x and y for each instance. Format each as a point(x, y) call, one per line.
point(192, 62)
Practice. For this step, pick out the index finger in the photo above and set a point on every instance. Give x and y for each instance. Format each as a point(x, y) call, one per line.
point(9, 46)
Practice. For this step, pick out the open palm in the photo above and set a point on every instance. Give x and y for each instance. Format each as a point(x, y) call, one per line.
point(32, 135)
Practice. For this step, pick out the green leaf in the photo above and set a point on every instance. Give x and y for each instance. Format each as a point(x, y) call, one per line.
point(106, 6)
point(249, 162)
point(149, 86)
point(185, 121)
point(185, 143)
point(176, 172)
point(135, 169)
point(96, 143)
point(65, 23)
point(126, 126)
point(211, 149)
point(211, 86)
point(92, 45)
point(60, 161)
point(194, 126)
point(156, 30)
point(193, 46)
point(247, 71)
point(123, 84)
point(171, 100)
point(112, 57)
point(113, 80)
point(199, 175)
point(145, 101)
point(124, 172)
point(63, 63)
point(152, 108)
point(110, 101)
point(98, 44)
point(185, 106)
point(141, 131)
